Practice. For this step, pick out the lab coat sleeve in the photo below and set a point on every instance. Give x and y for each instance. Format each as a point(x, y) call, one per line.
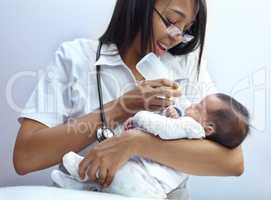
point(50, 102)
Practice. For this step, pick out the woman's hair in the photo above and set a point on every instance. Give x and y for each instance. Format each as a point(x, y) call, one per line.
point(133, 16)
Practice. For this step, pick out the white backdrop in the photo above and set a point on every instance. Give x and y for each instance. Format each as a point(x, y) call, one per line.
point(238, 52)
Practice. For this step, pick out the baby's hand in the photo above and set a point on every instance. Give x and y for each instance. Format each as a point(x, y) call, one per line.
point(171, 112)
point(128, 124)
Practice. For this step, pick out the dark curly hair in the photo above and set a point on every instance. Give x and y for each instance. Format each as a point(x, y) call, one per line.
point(231, 123)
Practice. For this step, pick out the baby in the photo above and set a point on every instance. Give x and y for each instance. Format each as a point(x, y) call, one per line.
point(218, 118)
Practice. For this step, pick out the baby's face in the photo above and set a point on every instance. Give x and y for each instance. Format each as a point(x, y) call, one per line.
point(199, 111)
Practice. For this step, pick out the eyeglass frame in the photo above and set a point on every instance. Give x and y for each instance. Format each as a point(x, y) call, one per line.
point(186, 38)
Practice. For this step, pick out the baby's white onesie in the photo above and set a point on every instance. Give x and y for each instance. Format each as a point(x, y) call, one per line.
point(139, 177)
point(168, 128)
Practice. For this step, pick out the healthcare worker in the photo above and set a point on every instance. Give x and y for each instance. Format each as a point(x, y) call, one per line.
point(63, 113)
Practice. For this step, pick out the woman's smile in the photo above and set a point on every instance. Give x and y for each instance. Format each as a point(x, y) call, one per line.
point(160, 48)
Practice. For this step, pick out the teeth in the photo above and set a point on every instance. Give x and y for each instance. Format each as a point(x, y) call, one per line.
point(163, 46)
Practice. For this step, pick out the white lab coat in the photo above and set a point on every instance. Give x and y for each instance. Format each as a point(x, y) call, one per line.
point(68, 88)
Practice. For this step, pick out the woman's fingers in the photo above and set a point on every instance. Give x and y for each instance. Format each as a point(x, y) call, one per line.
point(83, 167)
point(160, 83)
point(108, 156)
point(109, 178)
point(159, 102)
point(102, 175)
point(167, 92)
point(138, 98)
point(93, 171)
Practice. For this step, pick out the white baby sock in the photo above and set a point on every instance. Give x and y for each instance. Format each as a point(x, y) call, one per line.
point(71, 163)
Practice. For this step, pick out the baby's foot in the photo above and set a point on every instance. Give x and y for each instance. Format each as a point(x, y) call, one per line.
point(71, 163)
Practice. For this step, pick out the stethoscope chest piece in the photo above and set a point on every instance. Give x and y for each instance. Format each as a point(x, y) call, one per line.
point(102, 132)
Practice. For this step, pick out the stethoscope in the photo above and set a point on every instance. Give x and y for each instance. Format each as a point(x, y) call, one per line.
point(103, 132)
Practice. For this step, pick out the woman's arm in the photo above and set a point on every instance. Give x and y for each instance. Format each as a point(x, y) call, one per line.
point(196, 157)
point(202, 158)
point(38, 147)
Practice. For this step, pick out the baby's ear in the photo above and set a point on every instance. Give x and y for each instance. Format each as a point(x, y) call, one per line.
point(209, 128)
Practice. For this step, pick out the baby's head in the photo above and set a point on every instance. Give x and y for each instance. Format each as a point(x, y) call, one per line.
point(225, 120)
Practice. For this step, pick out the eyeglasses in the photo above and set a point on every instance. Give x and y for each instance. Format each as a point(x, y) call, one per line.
point(175, 31)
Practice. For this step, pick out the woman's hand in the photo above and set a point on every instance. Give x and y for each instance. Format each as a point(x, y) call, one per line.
point(107, 157)
point(147, 96)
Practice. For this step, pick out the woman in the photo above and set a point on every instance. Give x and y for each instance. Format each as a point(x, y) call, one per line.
point(68, 91)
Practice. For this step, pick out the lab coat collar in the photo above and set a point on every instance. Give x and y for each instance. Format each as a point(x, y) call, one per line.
point(110, 57)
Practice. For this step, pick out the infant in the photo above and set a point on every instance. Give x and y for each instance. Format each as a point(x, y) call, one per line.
point(219, 118)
